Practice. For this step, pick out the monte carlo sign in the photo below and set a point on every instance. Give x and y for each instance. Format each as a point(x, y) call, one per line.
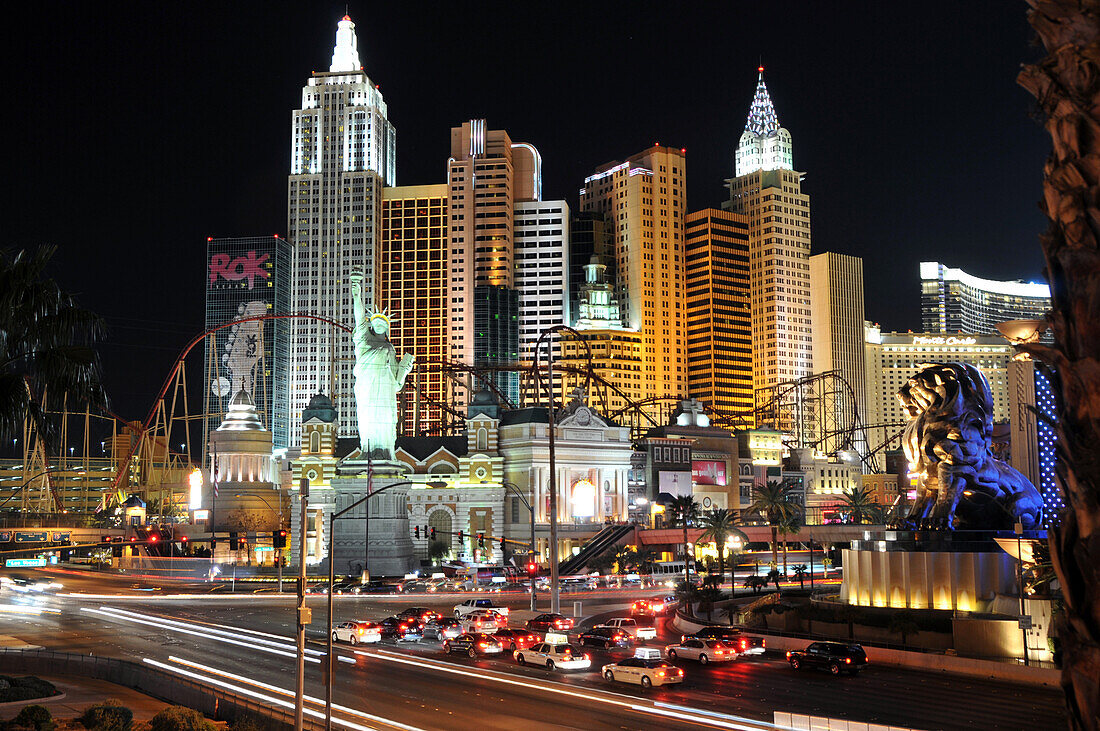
point(943, 340)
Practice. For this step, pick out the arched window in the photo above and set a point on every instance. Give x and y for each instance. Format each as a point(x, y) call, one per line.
point(314, 442)
point(482, 439)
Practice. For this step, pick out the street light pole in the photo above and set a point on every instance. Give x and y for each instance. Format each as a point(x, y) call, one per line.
point(279, 555)
point(303, 611)
point(521, 496)
point(331, 577)
point(1018, 528)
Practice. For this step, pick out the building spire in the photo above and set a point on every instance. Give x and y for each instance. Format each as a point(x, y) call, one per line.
point(345, 55)
point(762, 121)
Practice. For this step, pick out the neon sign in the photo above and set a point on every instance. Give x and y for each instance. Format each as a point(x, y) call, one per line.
point(247, 267)
point(951, 340)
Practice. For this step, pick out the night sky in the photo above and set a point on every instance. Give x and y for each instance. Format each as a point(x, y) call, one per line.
point(137, 130)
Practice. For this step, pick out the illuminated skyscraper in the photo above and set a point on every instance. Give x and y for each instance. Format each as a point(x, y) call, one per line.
point(719, 322)
point(342, 153)
point(953, 301)
point(415, 289)
point(642, 201)
point(542, 271)
point(487, 175)
point(768, 192)
point(245, 278)
point(836, 296)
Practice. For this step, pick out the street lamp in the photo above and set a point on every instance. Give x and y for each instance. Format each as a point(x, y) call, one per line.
point(514, 488)
point(279, 555)
point(331, 548)
point(555, 599)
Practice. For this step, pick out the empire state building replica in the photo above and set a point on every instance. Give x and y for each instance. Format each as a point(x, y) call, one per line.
point(342, 154)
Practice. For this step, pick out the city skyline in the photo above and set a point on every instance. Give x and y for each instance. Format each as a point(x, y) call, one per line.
point(232, 184)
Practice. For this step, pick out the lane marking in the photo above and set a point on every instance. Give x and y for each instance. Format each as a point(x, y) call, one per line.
point(283, 691)
point(197, 633)
point(709, 719)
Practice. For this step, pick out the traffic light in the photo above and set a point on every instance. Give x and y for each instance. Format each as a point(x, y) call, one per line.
point(431, 533)
point(152, 537)
point(460, 536)
point(502, 545)
point(278, 539)
point(234, 544)
point(213, 543)
point(416, 531)
point(183, 540)
point(481, 540)
point(532, 567)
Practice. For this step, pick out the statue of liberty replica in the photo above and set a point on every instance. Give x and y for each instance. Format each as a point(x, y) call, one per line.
point(379, 376)
point(373, 538)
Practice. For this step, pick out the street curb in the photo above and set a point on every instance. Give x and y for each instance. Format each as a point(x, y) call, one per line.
point(32, 701)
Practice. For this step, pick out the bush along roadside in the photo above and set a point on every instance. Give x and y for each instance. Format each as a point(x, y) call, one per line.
point(24, 689)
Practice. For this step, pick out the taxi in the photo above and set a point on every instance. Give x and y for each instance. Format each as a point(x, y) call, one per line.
point(646, 669)
point(554, 654)
point(633, 627)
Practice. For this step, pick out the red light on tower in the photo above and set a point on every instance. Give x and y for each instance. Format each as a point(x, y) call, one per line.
point(759, 69)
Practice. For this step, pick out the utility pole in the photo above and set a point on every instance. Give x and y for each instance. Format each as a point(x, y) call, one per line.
point(555, 598)
point(303, 610)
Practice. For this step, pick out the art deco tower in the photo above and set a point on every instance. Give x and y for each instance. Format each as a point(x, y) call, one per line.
point(342, 153)
point(768, 191)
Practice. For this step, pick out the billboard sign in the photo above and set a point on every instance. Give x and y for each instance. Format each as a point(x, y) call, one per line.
point(708, 472)
point(249, 266)
point(674, 483)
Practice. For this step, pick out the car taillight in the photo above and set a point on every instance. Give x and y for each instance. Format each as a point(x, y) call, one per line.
point(660, 673)
point(744, 644)
point(848, 660)
point(683, 638)
point(360, 630)
point(788, 654)
point(680, 673)
point(719, 652)
point(587, 657)
point(763, 643)
point(483, 644)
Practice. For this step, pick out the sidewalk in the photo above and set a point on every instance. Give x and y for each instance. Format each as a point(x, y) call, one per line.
point(77, 693)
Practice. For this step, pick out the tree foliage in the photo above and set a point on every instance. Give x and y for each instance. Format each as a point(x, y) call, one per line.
point(46, 346)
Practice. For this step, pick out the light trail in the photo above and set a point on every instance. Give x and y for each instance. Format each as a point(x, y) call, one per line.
point(706, 718)
point(290, 652)
point(283, 691)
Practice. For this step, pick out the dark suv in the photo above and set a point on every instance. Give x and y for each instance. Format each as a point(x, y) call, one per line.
point(608, 637)
point(838, 657)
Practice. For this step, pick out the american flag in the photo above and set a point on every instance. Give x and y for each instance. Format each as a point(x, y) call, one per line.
point(215, 473)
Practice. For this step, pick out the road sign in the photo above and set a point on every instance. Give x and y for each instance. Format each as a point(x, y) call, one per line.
point(24, 563)
point(32, 536)
point(5, 537)
point(59, 537)
point(1025, 621)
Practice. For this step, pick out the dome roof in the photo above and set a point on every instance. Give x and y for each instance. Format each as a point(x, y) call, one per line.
point(485, 397)
point(320, 407)
point(241, 415)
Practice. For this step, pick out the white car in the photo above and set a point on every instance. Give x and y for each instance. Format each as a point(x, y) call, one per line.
point(357, 632)
point(646, 669)
point(702, 650)
point(631, 627)
point(472, 605)
point(554, 657)
point(483, 620)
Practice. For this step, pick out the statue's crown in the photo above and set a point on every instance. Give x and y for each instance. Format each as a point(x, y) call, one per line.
point(379, 315)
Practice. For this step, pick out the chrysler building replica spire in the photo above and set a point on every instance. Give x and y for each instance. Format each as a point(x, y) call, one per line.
point(768, 191)
point(764, 144)
point(342, 153)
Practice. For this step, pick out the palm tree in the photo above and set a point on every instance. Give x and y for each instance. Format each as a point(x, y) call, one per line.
point(46, 344)
point(788, 526)
point(800, 574)
point(719, 525)
point(625, 557)
point(1066, 84)
point(775, 501)
point(861, 506)
point(683, 511)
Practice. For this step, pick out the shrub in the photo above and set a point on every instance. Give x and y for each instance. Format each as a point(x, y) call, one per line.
point(107, 716)
point(255, 722)
point(25, 689)
point(36, 717)
point(180, 718)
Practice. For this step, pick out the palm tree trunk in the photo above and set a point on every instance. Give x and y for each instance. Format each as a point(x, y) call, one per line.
point(721, 565)
point(784, 555)
point(1067, 86)
point(775, 544)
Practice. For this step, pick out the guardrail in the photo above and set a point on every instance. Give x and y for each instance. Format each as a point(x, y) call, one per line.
point(217, 703)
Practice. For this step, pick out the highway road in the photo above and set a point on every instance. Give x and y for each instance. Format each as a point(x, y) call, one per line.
point(246, 640)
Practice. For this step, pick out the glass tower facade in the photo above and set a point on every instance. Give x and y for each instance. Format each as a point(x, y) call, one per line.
point(953, 301)
point(248, 277)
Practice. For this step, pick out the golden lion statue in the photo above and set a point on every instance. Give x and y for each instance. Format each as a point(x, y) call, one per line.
point(960, 484)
